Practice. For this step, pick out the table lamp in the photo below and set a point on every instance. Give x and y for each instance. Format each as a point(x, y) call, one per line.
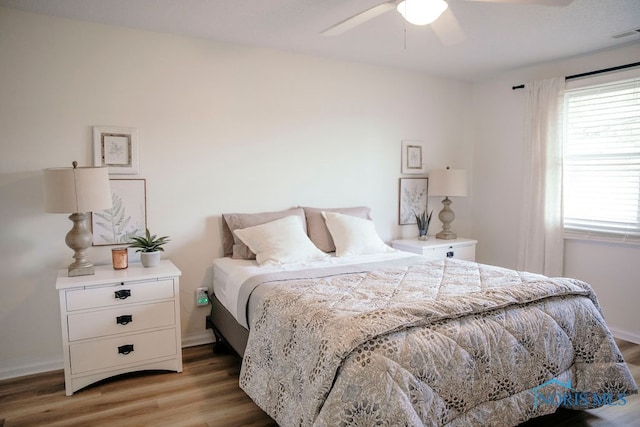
point(448, 183)
point(77, 191)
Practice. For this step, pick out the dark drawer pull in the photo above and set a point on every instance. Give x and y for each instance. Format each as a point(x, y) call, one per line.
point(125, 349)
point(124, 319)
point(123, 294)
point(450, 254)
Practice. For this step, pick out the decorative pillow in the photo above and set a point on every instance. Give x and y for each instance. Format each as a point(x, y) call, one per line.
point(317, 228)
point(282, 241)
point(232, 245)
point(354, 236)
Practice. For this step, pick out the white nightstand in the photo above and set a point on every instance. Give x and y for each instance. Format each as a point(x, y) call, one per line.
point(435, 248)
point(119, 321)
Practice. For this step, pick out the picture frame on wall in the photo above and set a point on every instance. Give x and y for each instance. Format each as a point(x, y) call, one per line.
point(413, 199)
point(413, 158)
point(116, 148)
point(126, 218)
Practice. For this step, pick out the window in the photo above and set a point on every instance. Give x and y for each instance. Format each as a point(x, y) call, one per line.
point(601, 166)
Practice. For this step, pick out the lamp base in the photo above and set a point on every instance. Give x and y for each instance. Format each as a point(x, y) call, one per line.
point(446, 216)
point(79, 239)
point(446, 235)
point(81, 271)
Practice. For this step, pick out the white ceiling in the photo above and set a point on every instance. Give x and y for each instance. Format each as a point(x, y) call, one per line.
point(498, 36)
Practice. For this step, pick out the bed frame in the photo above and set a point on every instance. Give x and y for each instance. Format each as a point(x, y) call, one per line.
point(226, 329)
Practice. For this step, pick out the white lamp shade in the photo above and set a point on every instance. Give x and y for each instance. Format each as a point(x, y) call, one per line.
point(77, 190)
point(448, 183)
point(421, 12)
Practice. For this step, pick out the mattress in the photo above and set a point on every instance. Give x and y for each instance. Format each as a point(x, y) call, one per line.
point(229, 274)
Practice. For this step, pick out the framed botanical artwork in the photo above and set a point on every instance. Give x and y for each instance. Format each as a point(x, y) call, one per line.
point(116, 148)
point(413, 199)
point(126, 218)
point(413, 158)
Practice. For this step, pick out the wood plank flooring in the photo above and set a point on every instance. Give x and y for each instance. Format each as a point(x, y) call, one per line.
point(206, 393)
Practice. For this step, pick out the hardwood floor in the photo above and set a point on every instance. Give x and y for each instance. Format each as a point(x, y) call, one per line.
point(207, 394)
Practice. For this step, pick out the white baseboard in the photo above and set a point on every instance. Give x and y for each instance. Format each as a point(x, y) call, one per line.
point(625, 335)
point(200, 339)
point(34, 368)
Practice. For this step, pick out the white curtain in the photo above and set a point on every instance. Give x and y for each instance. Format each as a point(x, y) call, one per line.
point(541, 245)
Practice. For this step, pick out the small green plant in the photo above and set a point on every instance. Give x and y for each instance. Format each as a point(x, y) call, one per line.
point(148, 243)
point(423, 221)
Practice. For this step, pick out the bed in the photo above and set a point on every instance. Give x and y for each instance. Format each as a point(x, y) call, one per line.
point(347, 331)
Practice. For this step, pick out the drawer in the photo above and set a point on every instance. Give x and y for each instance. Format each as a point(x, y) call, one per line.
point(467, 253)
point(118, 294)
point(131, 318)
point(113, 352)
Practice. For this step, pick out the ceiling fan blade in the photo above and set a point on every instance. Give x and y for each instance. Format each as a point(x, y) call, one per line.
point(358, 19)
point(560, 3)
point(448, 29)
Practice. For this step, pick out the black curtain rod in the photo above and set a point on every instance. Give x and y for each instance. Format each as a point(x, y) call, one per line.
point(591, 73)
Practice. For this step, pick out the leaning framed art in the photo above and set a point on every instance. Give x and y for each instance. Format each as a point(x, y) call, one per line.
point(116, 148)
point(413, 199)
point(126, 218)
point(413, 158)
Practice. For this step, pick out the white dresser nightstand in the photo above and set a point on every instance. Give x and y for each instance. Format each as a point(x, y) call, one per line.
point(119, 321)
point(436, 248)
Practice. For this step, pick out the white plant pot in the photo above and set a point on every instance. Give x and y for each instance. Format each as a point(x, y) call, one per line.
point(150, 259)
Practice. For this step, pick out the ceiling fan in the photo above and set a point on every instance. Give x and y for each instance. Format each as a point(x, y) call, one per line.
point(424, 12)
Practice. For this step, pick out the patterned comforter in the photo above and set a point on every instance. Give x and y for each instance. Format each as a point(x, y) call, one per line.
point(443, 342)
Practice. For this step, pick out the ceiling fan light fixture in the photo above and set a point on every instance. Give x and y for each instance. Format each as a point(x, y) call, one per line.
point(421, 12)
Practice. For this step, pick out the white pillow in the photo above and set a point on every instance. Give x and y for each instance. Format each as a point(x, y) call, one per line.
point(282, 241)
point(354, 236)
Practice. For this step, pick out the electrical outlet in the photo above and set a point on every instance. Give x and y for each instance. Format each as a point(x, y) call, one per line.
point(202, 296)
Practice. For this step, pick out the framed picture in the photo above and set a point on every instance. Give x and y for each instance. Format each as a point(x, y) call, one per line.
point(413, 161)
point(116, 148)
point(126, 218)
point(413, 199)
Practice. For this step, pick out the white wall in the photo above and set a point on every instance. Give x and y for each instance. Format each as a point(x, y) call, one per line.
point(222, 128)
point(612, 269)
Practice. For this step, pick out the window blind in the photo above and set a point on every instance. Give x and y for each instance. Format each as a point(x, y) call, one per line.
point(601, 162)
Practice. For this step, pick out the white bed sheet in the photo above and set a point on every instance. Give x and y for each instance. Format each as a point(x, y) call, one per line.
point(229, 274)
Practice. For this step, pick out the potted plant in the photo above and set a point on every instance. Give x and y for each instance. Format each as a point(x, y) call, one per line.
point(423, 222)
point(149, 247)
